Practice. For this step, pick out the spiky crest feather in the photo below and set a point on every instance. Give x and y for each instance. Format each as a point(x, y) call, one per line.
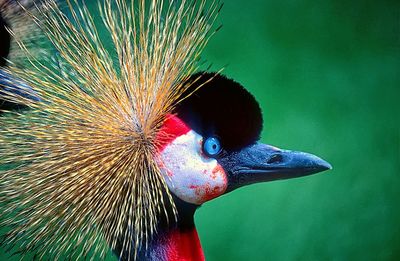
point(83, 164)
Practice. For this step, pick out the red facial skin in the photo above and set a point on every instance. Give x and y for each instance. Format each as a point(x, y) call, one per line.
point(181, 244)
point(178, 245)
point(172, 128)
point(208, 192)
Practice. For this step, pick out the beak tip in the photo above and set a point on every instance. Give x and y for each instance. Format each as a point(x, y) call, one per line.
point(324, 165)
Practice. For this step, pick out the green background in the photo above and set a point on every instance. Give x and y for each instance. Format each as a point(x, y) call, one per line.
point(326, 74)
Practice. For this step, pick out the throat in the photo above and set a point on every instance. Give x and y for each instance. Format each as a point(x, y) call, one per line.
point(179, 244)
point(179, 241)
point(173, 241)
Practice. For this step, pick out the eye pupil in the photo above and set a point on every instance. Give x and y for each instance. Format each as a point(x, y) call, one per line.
point(212, 146)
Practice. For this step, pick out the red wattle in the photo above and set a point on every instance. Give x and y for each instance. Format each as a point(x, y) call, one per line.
point(184, 245)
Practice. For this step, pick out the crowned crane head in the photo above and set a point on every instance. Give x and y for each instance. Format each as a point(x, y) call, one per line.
point(211, 146)
point(207, 147)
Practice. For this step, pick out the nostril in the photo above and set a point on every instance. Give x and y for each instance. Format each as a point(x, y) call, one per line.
point(276, 158)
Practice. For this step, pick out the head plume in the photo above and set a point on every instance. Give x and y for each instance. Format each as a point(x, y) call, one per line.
point(82, 170)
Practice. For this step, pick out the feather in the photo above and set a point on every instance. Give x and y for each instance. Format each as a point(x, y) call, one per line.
point(82, 170)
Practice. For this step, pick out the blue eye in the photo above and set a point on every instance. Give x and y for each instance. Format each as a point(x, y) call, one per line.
point(212, 146)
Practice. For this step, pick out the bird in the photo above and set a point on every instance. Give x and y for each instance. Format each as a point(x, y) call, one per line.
point(210, 146)
point(120, 153)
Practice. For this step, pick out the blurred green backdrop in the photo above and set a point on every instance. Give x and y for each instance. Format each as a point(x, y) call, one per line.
point(327, 76)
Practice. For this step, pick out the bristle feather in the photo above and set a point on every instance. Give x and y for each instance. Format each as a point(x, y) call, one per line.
point(86, 153)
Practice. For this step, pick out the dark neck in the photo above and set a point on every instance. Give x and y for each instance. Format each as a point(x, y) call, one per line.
point(175, 241)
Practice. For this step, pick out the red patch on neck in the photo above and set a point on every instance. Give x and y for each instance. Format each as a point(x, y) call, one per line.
point(172, 128)
point(184, 245)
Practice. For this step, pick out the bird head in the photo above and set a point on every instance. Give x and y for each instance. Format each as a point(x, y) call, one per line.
point(210, 145)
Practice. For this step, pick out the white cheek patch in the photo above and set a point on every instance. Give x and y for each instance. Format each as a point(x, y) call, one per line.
point(190, 175)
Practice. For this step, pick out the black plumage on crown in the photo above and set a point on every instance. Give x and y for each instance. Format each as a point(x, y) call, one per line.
point(221, 108)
